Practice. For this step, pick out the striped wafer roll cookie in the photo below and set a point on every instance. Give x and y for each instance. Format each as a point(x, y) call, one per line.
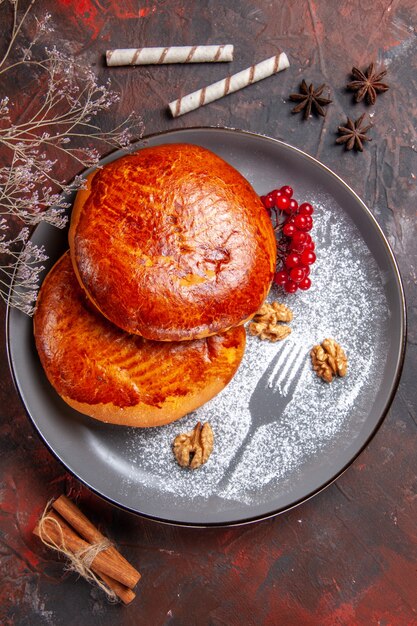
point(246, 77)
point(172, 54)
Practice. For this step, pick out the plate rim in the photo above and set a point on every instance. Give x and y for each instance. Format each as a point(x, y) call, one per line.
point(141, 143)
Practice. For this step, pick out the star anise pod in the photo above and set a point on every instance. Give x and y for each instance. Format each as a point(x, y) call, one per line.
point(367, 84)
point(309, 100)
point(353, 134)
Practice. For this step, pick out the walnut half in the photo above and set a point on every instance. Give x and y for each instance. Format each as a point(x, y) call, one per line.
point(266, 322)
point(269, 331)
point(194, 448)
point(329, 360)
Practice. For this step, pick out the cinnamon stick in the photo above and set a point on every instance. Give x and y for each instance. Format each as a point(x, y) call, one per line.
point(125, 594)
point(86, 529)
point(101, 564)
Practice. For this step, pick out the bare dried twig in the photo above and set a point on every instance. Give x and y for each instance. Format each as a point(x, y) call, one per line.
point(63, 124)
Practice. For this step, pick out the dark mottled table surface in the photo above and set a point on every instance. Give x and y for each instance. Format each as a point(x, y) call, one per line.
point(348, 555)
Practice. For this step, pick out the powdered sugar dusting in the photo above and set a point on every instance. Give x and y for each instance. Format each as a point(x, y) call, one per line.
point(293, 418)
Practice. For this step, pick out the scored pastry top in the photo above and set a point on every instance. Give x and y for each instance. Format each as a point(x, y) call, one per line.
point(113, 376)
point(172, 243)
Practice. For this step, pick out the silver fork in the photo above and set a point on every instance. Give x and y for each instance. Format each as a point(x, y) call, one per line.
point(272, 394)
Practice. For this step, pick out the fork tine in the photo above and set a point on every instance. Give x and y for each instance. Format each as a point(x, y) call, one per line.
point(292, 383)
point(294, 373)
point(288, 366)
point(278, 360)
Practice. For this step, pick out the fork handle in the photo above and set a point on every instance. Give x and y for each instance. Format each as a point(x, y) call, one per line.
point(239, 455)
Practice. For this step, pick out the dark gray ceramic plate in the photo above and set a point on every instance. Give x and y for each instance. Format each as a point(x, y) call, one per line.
point(281, 435)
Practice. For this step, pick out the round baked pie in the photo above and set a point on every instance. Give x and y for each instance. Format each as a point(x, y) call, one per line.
point(102, 371)
point(172, 243)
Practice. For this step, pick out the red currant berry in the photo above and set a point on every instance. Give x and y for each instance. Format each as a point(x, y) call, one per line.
point(268, 201)
point(297, 249)
point(287, 190)
point(308, 222)
point(276, 193)
point(283, 203)
point(293, 259)
point(297, 274)
point(299, 238)
point(310, 246)
point(306, 209)
point(290, 286)
point(307, 257)
point(289, 230)
point(305, 283)
point(300, 221)
point(306, 269)
point(281, 277)
point(293, 206)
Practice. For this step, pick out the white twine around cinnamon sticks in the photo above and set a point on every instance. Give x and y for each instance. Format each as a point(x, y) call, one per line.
point(90, 554)
point(172, 54)
point(223, 87)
